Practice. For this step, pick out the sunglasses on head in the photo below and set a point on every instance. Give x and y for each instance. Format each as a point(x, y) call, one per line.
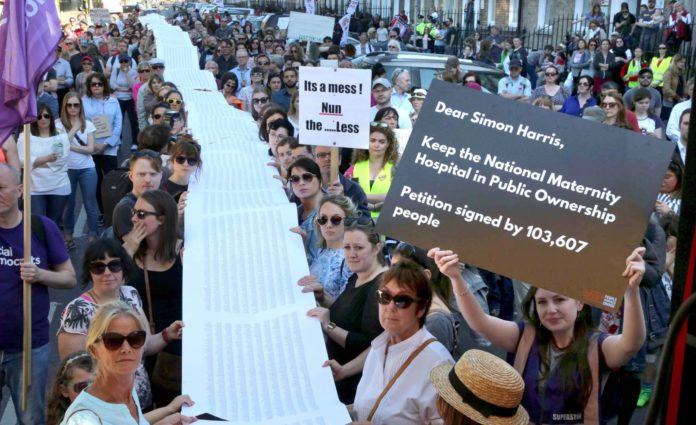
point(113, 341)
point(306, 177)
point(99, 267)
point(379, 124)
point(180, 159)
point(175, 101)
point(96, 84)
point(400, 301)
point(77, 387)
point(141, 214)
point(334, 219)
point(362, 221)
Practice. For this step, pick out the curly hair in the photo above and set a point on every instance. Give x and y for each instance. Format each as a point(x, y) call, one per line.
point(390, 155)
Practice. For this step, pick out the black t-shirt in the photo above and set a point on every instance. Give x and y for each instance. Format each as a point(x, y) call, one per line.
point(173, 189)
point(625, 29)
point(451, 31)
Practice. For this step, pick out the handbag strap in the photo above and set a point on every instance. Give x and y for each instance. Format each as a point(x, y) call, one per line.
point(67, 420)
point(398, 373)
point(149, 297)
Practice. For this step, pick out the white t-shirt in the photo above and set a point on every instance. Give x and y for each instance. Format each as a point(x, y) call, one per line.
point(76, 160)
point(411, 401)
point(382, 34)
point(51, 179)
point(89, 410)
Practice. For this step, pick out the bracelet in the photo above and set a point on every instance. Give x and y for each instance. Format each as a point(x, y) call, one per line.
point(165, 338)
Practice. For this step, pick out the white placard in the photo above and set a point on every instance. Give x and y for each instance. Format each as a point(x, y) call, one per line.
point(100, 16)
point(283, 23)
point(306, 27)
point(335, 107)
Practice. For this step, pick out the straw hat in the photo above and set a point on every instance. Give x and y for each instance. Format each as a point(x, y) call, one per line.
point(483, 382)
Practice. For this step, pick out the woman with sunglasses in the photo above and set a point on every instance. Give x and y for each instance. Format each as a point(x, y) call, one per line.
point(158, 275)
point(551, 89)
point(260, 97)
point(575, 105)
point(659, 64)
point(75, 373)
point(116, 342)
point(144, 72)
point(613, 106)
point(105, 112)
point(404, 298)
point(372, 168)
point(270, 113)
point(229, 83)
point(176, 103)
point(555, 339)
point(304, 177)
point(328, 273)
point(185, 161)
point(108, 267)
point(49, 151)
point(81, 170)
point(352, 321)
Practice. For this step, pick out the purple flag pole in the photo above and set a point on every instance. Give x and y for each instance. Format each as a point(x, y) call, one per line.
point(29, 33)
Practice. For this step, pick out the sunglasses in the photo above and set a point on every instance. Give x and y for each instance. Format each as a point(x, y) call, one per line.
point(550, 74)
point(140, 71)
point(113, 341)
point(157, 66)
point(124, 61)
point(72, 105)
point(260, 101)
point(379, 124)
point(175, 101)
point(334, 219)
point(99, 267)
point(605, 105)
point(306, 177)
point(263, 63)
point(97, 84)
point(45, 117)
point(392, 36)
point(182, 159)
point(400, 301)
point(141, 214)
point(77, 387)
point(584, 84)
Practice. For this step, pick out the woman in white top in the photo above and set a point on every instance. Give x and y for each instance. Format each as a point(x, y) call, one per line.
point(122, 81)
point(404, 298)
point(115, 341)
point(49, 152)
point(81, 168)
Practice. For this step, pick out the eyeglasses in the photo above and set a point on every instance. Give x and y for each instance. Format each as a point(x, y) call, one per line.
point(72, 105)
point(260, 100)
point(141, 214)
point(323, 155)
point(609, 105)
point(180, 159)
point(44, 117)
point(334, 219)
point(175, 101)
point(113, 341)
point(257, 74)
point(400, 301)
point(77, 387)
point(140, 71)
point(99, 267)
point(96, 84)
point(305, 177)
point(379, 124)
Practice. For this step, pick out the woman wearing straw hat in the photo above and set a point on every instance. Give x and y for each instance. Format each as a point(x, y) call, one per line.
point(561, 358)
point(480, 389)
point(394, 388)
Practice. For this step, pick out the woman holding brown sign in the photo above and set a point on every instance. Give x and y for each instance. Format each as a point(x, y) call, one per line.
point(561, 357)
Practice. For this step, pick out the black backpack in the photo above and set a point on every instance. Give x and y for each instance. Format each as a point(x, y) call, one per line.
point(115, 186)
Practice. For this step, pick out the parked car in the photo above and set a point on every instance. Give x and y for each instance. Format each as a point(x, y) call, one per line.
point(424, 67)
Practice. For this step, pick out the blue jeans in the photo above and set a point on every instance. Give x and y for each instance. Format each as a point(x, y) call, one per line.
point(11, 375)
point(51, 206)
point(87, 179)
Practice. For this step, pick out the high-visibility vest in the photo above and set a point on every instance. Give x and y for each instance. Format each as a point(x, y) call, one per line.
point(361, 173)
point(659, 67)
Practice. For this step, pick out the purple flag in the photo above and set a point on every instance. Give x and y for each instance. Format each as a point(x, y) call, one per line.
point(29, 33)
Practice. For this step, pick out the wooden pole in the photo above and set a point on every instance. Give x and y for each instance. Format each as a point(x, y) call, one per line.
point(26, 349)
point(334, 165)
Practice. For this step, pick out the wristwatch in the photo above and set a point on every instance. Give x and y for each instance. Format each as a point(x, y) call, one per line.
point(331, 326)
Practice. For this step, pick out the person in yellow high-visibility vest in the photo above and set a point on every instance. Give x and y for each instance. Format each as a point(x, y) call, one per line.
point(659, 65)
point(372, 169)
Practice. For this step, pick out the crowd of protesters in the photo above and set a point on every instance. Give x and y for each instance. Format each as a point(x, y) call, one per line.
point(390, 312)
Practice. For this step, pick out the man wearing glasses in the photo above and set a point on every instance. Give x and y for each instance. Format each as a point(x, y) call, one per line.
point(381, 91)
point(645, 78)
point(50, 268)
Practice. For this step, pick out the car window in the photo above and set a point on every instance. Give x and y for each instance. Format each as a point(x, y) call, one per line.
point(489, 82)
point(427, 75)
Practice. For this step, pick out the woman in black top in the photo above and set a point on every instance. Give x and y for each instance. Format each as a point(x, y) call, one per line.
point(159, 273)
point(185, 162)
point(352, 321)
